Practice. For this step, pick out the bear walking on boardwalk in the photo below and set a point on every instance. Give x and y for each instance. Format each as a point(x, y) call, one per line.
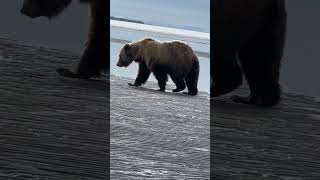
point(172, 58)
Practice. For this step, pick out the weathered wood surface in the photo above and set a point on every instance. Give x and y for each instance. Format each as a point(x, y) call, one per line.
point(56, 128)
point(50, 127)
point(158, 135)
point(257, 143)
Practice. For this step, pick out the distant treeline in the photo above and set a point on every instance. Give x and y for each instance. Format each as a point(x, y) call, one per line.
point(127, 20)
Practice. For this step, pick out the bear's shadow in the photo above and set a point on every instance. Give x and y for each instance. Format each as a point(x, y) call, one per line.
point(156, 90)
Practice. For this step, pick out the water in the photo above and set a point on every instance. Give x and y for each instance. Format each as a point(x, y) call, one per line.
point(183, 14)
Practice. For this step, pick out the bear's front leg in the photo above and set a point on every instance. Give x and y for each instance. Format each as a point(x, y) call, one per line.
point(95, 57)
point(143, 75)
point(225, 70)
point(162, 77)
point(134, 84)
point(268, 98)
point(178, 81)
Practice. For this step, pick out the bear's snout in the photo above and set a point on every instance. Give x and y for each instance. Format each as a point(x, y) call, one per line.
point(119, 64)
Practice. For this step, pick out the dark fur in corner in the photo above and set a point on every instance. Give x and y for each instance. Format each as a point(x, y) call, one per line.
point(95, 57)
point(250, 33)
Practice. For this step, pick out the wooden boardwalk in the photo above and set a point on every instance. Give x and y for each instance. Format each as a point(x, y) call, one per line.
point(159, 135)
point(58, 128)
point(257, 143)
point(50, 127)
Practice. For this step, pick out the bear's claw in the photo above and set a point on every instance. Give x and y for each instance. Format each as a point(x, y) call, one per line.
point(66, 73)
point(190, 93)
point(135, 85)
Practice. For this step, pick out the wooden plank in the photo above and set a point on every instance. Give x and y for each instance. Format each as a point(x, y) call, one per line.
point(57, 128)
point(50, 127)
point(259, 143)
point(159, 135)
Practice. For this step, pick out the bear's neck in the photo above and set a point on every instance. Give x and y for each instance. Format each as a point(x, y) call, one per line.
point(135, 53)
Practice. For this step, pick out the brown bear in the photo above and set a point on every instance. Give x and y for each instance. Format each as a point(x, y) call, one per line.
point(172, 58)
point(95, 57)
point(250, 33)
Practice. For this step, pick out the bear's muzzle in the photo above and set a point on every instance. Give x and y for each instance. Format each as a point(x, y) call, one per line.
point(119, 64)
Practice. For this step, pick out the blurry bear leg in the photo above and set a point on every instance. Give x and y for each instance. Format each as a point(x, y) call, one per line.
point(162, 76)
point(261, 64)
point(143, 75)
point(225, 72)
point(192, 79)
point(95, 56)
point(191, 82)
point(178, 81)
point(262, 60)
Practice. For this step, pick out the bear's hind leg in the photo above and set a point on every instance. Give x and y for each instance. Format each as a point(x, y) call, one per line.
point(178, 81)
point(261, 64)
point(192, 85)
point(192, 79)
point(261, 59)
point(225, 70)
point(162, 76)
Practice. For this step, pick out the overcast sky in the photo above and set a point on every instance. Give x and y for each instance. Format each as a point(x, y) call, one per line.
point(184, 14)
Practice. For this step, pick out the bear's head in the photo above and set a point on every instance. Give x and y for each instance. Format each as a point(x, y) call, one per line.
point(125, 56)
point(47, 8)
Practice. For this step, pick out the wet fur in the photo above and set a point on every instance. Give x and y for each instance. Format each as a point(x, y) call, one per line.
point(252, 34)
point(174, 58)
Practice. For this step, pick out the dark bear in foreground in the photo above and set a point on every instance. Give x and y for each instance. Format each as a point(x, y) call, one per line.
point(95, 57)
point(248, 38)
point(162, 58)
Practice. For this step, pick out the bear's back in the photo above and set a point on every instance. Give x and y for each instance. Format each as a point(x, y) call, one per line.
point(174, 54)
point(179, 53)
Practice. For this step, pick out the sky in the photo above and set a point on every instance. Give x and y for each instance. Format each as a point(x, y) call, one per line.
point(185, 14)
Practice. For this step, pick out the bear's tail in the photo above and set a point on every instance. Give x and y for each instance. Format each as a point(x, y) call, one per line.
point(192, 77)
point(195, 70)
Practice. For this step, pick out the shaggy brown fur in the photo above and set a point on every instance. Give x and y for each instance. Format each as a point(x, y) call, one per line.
point(162, 58)
point(251, 32)
point(95, 57)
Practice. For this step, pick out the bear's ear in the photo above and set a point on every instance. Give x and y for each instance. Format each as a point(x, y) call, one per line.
point(127, 47)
